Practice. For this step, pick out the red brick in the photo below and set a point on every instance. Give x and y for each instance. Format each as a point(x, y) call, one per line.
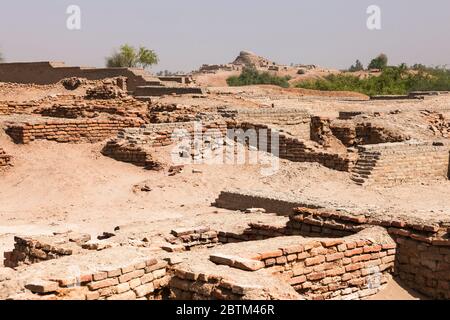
point(332, 242)
point(271, 254)
point(315, 260)
point(353, 252)
point(316, 276)
point(353, 267)
point(334, 256)
point(102, 284)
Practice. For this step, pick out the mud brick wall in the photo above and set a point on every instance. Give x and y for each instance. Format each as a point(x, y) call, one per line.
point(186, 239)
point(274, 116)
point(64, 131)
point(5, 159)
point(334, 269)
point(422, 257)
point(93, 108)
point(136, 155)
point(30, 250)
point(156, 91)
point(352, 134)
point(7, 108)
point(254, 231)
point(187, 285)
point(297, 150)
point(424, 267)
point(212, 283)
point(161, 134)
point(241, 201)
point(142, 280)
point(390, 164)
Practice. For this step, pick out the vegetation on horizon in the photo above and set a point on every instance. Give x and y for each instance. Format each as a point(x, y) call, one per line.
point(393, 80)
point(379, 62)
point(358, 66)
point(130, 57)
point(251, 76)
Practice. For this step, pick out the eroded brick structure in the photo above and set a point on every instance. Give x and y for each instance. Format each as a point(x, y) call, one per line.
point(5, 159)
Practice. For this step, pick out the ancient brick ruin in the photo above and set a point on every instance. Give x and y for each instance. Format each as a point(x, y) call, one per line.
point(263, 238)
point(5, 159)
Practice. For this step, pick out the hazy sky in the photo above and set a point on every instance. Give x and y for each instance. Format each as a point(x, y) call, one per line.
point(188, 33)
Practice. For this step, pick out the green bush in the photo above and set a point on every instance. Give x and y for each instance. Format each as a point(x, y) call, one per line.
point(251, 76)
point(393, 80)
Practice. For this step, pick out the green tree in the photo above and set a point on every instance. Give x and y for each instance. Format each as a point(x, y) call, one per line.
point(379, 62)
point(130, 57)
point(358, 66)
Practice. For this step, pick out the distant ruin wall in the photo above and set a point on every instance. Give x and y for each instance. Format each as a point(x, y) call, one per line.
point(156, 91)
point(390, 164)
point(69, 130)
point(52, 72)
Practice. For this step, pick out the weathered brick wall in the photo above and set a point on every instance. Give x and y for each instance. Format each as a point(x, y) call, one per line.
point(299, 118)
point(133, 145)
point(91, 130)
point(339, 269)
point(185, 239)
point(202, 284)
point(347, 268)
point(162, 134)
point(241, 201)
point(298, 150)
point(10, 107)
point(137, 155)
point(352, 133)
point(30, 250)
point(390, 164)
point(5, 159)
point(424, 267)
point(155, 91)
point(422, 259)
point(105, 275)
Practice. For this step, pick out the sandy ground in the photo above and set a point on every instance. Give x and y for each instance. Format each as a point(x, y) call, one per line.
point(395, 290)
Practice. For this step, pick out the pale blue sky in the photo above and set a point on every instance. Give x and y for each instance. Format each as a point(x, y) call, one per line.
point(187, 33)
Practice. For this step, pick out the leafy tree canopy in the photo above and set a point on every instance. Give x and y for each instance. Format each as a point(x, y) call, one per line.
point(131, 57)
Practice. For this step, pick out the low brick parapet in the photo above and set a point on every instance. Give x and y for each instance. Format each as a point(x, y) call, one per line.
point(65, 131)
